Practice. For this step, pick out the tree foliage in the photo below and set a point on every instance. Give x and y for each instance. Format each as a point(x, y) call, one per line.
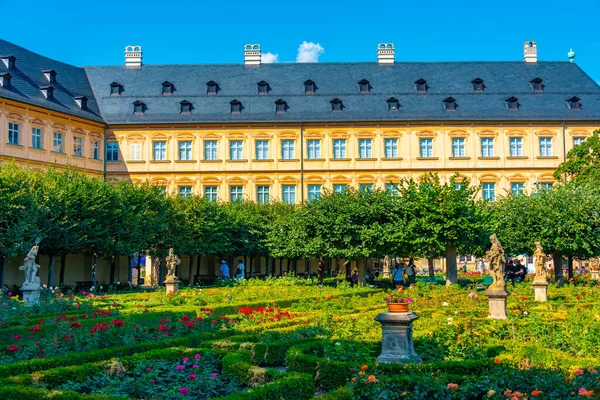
point(583, 162)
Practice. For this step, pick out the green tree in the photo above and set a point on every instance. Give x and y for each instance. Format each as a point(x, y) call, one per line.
point(583, 162)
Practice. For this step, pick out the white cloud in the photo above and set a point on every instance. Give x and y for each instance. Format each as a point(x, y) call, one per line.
point(309, 52)
point(269, 58)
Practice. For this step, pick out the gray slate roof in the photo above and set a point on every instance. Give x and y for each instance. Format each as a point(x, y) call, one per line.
point(27, 80)
point(562, 80)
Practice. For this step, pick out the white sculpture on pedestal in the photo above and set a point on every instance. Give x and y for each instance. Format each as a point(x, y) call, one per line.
point(31, 287)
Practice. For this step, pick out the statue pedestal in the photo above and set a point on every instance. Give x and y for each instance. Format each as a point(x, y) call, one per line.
point(497, 303)
point(540, 289)
point(595, 274)
point(31, 294)
point(397, 341)
point(172, 284)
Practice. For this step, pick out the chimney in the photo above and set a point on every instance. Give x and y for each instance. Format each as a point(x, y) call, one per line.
point(133, 56)
point(10, 62)
point(385, 53)
point(530, 52)
point(5, 80)
point(252, 55)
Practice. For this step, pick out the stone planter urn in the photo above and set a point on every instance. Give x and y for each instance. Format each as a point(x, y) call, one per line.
point(397, 339)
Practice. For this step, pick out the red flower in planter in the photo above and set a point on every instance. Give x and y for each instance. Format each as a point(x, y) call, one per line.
point(118, 322)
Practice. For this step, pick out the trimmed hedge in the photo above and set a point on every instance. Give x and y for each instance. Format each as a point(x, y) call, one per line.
point(288, 387)
point(29, 393)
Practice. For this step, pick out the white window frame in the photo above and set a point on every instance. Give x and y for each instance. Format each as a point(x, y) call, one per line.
point(314, 149)
point(78, 146)
point(340, 188)
point(546, 147)
point(578, 140)
point(339, 148)
point(262, 149)
point(314, 192)
point(517, 188)
point(487, 147)
point(160, 150)
point(391, 148)
point(288, 194)
point(185, 150)
point(58, 142)
point(458, 147)
point(365, 148)
point(14, 130)
point(236, 193)
point(426, 147)
point(135, 151)
point(37, 138)
point(391, 188)
point(365, 186)
point(263, 194)
point(210, 149)
point(95, 149)
point(112, 152)
point(488, 190)
point(211, 193)
point(516, 146)
point(236, 149)
point(287, 149)
point(185, 191)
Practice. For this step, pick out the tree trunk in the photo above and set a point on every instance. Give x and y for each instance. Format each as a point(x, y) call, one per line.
point(321, 269)
point(161, 272)
point(330, 266)
point(348, 270)
point(94, 266)
point(451, 274)
point(198, 262)
point(250, 266)
point(431, 267)
point(558, 273)
point(280, 266)
point(63, 262)
point(362, 271)
point(307, 267)
point(51, 260)
point(191, 271)
point(570, 267)
point(2, 270)
point(113, 267)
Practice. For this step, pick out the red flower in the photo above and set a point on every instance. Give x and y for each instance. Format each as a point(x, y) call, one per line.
point(100, 327)
point(18, 337)
point(13, 348)
point(185, 318)
point(118, 322)
point(36, 328)
point(189, 324)
point(75, 325)
point(223, 317)
point(162, 328)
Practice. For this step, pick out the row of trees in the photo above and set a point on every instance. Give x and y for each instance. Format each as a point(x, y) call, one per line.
point(74, 213)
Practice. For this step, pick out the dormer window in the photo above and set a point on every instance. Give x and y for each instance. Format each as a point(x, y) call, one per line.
point(263, 88)
point(536, 85)
point(50, 75)
point(236, 106)
point(186, 107)
point(309, 87)
point(393, 104)
point(5, 80)
point(81, 102)
point(450, 104)
point(47, 92)
point(115, 89)
point(212, 87)
point(421, 86)
point(477, 85)
point(512, 103)
point(573, 103)
point(280, 106)
point(336, 105)
point(167, 88)
point(139, 107)
point(10, 62)
point(363, 86)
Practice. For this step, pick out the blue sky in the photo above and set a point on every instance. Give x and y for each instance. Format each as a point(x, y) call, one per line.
point(96, 32)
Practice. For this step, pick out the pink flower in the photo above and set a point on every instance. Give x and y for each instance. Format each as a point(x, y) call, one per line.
point(195, 366)
point(4, 303)
point(9, 294)
point(185, 360)
point(213, 375)
point(179, 367)
point(153, 381)
point(473, 295)
point(184, 391)
point(197, 357)
point(192, 376)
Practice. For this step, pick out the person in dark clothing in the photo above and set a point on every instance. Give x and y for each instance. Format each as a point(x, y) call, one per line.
point(520, 272)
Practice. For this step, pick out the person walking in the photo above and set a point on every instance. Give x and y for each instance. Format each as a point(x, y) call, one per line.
point(411, 272)
point(224, 270)
point(241, 270)
point(398, 276)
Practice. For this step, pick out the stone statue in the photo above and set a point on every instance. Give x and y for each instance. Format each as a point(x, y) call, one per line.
point(540, 260)
point(386, 267)
point(172, 262)
point(495, 256)
point(31, 268)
